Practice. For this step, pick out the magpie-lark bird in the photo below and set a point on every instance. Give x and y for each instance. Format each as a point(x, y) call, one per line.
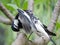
point(27, 21)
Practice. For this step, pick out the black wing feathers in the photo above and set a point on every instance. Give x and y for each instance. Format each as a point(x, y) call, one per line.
point(50, 33)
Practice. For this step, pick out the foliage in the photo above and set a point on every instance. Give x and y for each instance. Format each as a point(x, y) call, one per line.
point(44, 12)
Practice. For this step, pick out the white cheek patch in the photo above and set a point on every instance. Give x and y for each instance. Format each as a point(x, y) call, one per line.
point(16, 22)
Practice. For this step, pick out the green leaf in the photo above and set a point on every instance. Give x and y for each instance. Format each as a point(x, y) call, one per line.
point(25, 5)
point(57, 25)
point(5, 1)
point(11, 7)
point(17, 2)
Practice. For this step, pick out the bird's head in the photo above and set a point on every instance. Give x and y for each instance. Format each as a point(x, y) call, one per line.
point(15, 26)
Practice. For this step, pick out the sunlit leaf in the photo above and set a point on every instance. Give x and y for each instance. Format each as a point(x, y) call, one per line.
point(17, 2)
point(25, 5)
point(58, 25)
point(11, 6)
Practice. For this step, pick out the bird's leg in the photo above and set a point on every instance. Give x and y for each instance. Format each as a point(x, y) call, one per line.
point(30, 35)
point(52, 41)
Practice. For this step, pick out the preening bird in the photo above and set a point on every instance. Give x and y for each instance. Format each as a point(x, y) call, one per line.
point(26, 20)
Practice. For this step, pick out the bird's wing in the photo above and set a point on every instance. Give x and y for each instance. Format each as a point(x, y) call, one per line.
point(50, 33)
point(25, 21)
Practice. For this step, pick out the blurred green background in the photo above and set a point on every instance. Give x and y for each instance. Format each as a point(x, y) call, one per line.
point(42, 9)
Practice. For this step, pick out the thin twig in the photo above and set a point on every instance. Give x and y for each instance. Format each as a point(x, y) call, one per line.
point(6, 12)
point(55, 15)
point(5, 20)
point(30, 5)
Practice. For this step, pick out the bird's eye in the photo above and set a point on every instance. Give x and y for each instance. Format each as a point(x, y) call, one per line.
point(35, 21)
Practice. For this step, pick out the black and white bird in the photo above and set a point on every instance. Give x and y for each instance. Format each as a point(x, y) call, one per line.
point(26, 20)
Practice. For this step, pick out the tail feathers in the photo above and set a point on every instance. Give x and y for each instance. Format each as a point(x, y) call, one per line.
point(50, 33)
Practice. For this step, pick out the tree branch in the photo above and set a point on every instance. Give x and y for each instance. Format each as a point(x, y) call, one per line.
point(6, 12)
point(22, 40)
point(55, 15)
point(30, 5)
point(5, 20)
